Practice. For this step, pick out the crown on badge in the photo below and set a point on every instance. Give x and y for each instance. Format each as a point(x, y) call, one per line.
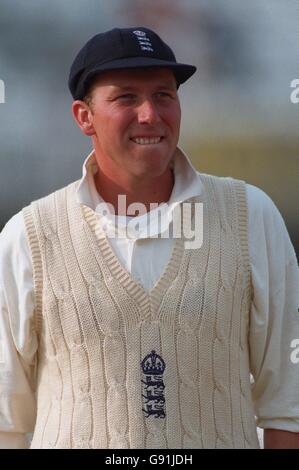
point(153, 364)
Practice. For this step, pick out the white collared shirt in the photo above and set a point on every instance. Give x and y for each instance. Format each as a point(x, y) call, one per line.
point(274, 318)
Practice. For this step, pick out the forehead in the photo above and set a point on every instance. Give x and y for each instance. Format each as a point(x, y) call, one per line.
point(135, 77)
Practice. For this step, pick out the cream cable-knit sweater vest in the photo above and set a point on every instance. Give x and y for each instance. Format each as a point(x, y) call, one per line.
point(119, 367)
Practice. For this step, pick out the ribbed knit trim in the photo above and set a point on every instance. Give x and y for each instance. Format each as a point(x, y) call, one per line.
point(37, 265)
point(240, 189)
point(136, 290)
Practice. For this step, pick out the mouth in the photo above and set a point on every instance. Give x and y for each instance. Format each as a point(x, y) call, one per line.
point(147, 140)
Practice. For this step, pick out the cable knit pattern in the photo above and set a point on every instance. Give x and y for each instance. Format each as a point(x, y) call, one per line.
point(97, 326)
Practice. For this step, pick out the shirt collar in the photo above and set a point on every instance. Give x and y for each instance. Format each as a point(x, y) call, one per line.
point(187, 182)
point(187, 185)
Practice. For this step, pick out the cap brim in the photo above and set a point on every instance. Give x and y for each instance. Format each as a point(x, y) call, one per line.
point(181, 71)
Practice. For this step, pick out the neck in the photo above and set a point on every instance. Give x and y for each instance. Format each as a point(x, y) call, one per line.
point(149, 192)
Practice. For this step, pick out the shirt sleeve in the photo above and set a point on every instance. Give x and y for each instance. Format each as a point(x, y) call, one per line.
point(274, 319)
point(18, 341)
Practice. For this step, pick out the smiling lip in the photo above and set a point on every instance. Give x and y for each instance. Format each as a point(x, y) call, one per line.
point(146, 140)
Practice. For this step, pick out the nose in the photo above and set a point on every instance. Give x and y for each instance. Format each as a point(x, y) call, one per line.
point(148, 112)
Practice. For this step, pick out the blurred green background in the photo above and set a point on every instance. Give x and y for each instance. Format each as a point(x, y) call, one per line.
point(238, 118)
point(271, 164)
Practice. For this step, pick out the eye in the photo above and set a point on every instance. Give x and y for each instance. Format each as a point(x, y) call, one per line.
point(126, 97)
point(164, 94)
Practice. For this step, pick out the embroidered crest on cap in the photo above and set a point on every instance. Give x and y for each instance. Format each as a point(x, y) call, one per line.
point(144, 42)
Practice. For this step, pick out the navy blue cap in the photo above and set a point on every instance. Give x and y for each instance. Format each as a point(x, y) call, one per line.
point(123, 48)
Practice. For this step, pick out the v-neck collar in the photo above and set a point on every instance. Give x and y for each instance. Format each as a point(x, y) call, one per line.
point(148, 300)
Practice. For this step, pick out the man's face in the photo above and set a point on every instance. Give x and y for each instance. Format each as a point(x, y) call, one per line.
point(136, 120)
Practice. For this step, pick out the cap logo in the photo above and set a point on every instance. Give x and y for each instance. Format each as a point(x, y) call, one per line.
point(144, 42)
point(139, 33)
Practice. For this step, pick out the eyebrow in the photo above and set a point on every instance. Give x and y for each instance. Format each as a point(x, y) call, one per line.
point(169, 84)
point(165, 85)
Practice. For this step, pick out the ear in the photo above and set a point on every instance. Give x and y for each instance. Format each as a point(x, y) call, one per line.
point(83, 117)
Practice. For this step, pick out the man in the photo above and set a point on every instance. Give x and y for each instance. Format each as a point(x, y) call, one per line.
point(129, 338)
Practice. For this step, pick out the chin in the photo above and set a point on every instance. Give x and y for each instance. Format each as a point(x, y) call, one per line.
point(153, 170)
point(156, 158)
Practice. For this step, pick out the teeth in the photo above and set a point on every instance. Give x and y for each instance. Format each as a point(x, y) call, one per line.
point(146, 140)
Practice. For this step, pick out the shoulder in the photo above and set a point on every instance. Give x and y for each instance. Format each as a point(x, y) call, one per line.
point(43, 212)
point(260, 206)
point(71, 187)
point(13, 237)
point(260, 203)
point(266, 226)
point(13, 234)
point(14, 248)
point(262, 209)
